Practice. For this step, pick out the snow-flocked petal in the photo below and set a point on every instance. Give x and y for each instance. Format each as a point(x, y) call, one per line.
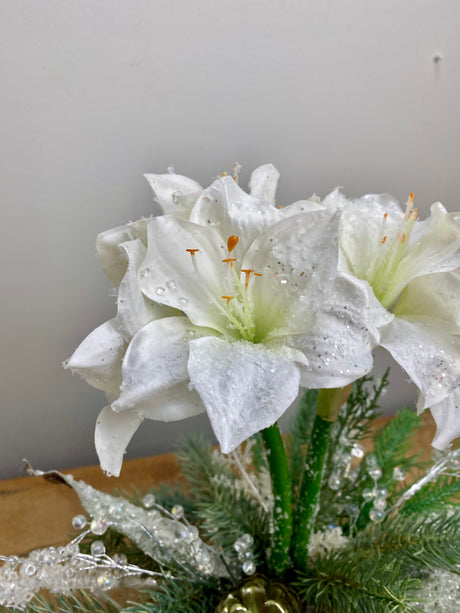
point(446, 414)
point(428, 352)
point(244, 387)
point(263, 183)
point(175, 194)
point(134, 309)
point(339, 346)
point(98, 358)
point(112, 435)
point(172, 276)
point(297, 258)
point(155, 373)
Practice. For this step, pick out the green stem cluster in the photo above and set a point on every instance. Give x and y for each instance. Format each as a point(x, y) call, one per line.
point(299, 529)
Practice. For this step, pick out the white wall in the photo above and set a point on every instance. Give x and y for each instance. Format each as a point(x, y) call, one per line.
point(97, 92)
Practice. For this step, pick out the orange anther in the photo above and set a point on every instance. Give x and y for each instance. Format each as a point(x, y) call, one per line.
point(411, 197)
point(383, 239)
point(228, 298)
point(224, 174)
point(385, 216)
point(227, 260)
point(247, 272)
point(403, 237)
point(232, 242)
point(192, 251)
point(258, 274)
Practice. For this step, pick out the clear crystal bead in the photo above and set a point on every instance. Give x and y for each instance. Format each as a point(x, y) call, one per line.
point(79, 522)
point(97, 548)
point(148, 501)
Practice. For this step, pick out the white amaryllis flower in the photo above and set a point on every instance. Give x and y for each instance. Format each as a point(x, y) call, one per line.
point(98, 359)
point(264, 312)
point(408, 264)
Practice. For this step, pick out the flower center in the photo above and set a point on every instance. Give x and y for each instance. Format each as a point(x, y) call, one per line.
point(234, 301)
point(381, 275)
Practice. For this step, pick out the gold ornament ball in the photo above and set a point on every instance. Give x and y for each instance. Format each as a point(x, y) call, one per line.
point(258, 594)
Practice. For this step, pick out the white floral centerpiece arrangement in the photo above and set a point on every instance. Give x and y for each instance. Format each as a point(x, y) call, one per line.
point(230, 304)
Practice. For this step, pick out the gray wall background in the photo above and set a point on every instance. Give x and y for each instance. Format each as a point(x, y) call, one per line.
point(97, 92)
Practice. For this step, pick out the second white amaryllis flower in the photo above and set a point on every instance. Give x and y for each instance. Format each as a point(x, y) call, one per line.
point(408, 266)
point(264, 312)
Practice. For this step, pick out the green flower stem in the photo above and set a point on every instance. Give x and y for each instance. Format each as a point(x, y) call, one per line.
point(282, 512)
point(329, 405)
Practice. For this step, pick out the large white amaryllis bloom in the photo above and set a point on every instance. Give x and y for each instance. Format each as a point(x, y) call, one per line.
point(409, 265)
point(263, 312)
point(98, 359)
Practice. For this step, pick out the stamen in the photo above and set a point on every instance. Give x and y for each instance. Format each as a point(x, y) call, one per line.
point(259, 274)
point(228, 298)
point(224, 174)
point(247, 272)
point(409, 205)
point(192, 251)
point(232, 242)
point(383, 239)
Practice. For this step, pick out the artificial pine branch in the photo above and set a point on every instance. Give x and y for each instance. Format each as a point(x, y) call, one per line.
point(181, 597)
point(433, 497)
point(77, 602)
point(348, 581)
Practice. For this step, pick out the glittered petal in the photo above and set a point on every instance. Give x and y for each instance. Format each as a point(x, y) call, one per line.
point(112, 435)
point(111, 258)
point(298, 261)
point(339, 346)
point(263, 183)
point(134, 309)
point(98, 358)
point(155, 373)
point(169, 276)
point(244, 387)
point(225, 207)
point(428, 352)
point(175, 194)
point(446, 414)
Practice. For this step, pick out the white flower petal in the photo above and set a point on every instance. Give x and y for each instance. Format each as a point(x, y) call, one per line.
point(362, 227)
point(172, 192)
point(134, 309)
point(155, 373)
point(298, 260)
point(168, 274)
point(244, 387)
point(339, 346)
point(434, 245)
point(435, 296)
point(112, 435)
point(263, 183)
point(446, 414)
point(98, 358)
point(428, 352)
point(229, 210)
point(112, 260)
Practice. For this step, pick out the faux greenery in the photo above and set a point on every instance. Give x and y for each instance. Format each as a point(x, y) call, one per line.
point(375, 566)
